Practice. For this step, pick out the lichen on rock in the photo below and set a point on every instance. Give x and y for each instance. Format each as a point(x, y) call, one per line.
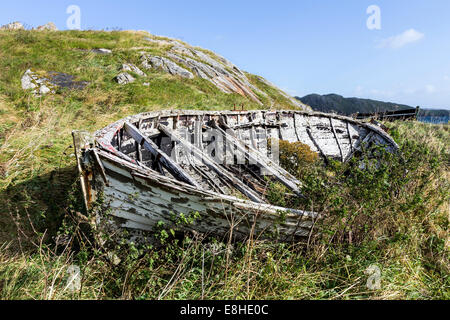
point(41, 83)
point(149, 62)
point(125, 78)
point(129, 67)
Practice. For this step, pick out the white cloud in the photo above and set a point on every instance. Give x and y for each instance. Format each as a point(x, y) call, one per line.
point(446, 78)
point(398, 41)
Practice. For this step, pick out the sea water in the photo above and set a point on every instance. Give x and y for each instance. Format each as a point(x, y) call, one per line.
point(435, 120)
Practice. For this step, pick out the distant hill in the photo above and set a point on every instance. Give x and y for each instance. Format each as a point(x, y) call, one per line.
point(347, 106)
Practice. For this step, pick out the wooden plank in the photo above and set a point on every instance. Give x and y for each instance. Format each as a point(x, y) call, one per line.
point(210, 163)
point(308, 130)
point(359, 143)
point(160, 156)
point(100, 166)
point(350, 137)
point(337, 139)
point(138, 146)
point(81, 141)
point(254, 156)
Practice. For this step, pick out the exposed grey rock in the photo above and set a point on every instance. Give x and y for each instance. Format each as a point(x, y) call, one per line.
point(32, 81)
point(44, 89)
point(149, 61)
point(226, 62)
point(124, 78)
point(28, 80)
point(163, 42)
point(47, 27)
point(221, 72)
point(48, 83)
point(206, 58)
point(221, 78)
point(13, 26)
point(219, 66)
point(202, 70)
point(129, 67)
point(182, 50)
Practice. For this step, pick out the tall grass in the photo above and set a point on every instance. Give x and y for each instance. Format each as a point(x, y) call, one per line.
point(386, 216)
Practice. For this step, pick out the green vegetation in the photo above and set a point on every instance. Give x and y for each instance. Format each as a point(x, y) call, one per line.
point(393, 216)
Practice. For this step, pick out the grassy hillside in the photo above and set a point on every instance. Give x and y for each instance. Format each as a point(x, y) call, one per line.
point(35, 132)
point(401, 219)
point(348, 106)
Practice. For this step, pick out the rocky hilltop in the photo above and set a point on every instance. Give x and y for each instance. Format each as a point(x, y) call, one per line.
point(145, 54)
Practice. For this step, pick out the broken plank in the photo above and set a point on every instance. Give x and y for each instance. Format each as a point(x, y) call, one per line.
point(211, 164)
point(359, 144)
point(160, 156)
point(261, 160)
point(308, 130)
point(337, 139)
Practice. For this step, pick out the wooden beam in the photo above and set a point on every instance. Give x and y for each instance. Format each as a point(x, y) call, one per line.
point(357, 147)
point(350, 137)
point(337, 139)
point(160, 156)
point(81, 141)
point(263, 161)
point(308, 130)
point(138, 146)
point(210, 163)
point(100, 166)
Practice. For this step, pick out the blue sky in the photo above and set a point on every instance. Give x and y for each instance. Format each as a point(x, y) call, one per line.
point(303, 46)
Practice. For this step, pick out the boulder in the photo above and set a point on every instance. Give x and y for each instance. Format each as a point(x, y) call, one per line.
point(13, 26)
point(149, 61)
point(129, 67)
point(125, 78)
point(47, 27)
point(39, 85)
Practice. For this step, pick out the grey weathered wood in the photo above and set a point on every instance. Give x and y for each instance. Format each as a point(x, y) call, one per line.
point(322, 153)
point(350, 137)
point(138, 146)
point(160, 156)
point(160, 195)
point(337, 139)
point(210, 163)
point(359, 144)
point(100, 166)
point(261, 160)
point(81, 140)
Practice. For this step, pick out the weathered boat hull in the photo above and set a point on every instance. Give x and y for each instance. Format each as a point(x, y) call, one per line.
point(118, 166)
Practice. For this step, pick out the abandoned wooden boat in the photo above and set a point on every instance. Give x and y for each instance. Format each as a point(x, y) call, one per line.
point(150, 168)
